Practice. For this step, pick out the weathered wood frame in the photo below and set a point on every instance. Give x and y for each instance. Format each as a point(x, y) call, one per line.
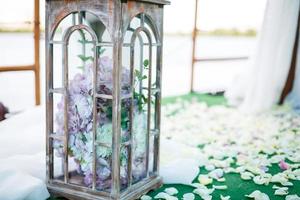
point(116, 16)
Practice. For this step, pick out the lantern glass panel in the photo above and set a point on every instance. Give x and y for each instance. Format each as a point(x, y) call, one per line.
point(87, 80)
point(137, 65)
point(58, 163)
point(57, 66)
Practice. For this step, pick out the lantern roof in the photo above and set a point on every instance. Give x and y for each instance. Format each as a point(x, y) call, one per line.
point(163, 2)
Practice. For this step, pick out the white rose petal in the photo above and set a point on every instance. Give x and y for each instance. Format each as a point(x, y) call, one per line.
point(247, 175)
point(146, 197)
point(220, 187)
point(203, 191)
point(224, 198)
point(292, 197)
point(171, 191)
point(209, 167)
point(281, 191)
point(162, 195)
point(287, 183)
point(216, 174)
point(205, 179)
point(188, 196)
point(259, 180)
point(275, 187)
point(257, 195)
point(221, 179)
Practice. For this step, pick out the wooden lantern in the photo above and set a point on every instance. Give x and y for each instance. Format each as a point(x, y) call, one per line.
point(103, 94)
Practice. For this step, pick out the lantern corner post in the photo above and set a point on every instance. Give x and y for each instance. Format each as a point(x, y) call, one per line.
point(117, 36)
point(49, 96)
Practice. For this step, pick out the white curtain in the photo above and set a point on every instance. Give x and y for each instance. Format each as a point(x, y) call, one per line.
point(260, 85)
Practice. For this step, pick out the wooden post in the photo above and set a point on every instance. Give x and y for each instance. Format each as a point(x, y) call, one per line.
point(37, 52)
point(195, 31)
point(291, 76)
point(36, 66)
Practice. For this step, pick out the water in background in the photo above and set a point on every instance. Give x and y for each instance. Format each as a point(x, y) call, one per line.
point(17, 88)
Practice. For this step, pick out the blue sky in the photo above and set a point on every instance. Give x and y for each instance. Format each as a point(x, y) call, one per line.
point(179, 15)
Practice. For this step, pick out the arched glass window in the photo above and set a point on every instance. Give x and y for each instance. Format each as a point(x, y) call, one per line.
point(81, 100)
point(139, 65)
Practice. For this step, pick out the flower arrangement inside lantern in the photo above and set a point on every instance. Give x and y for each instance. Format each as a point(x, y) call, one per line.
point(80, 113)
point(103, 98)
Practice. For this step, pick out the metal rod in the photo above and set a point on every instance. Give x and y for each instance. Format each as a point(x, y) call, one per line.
point(142, 19)
point(80, 17)
point(149, 105)
point(57, 90)
point(95, 73)
point(80, 20)
point(56, 137)
point(73, 19)
point(157, 114)
point(66, 96)
point(55, 42)
point(145, 44)
point(105, 44)
point(141, 61)
point(194, 38)
point(132, 83)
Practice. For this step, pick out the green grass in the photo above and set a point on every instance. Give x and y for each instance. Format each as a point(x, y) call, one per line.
point(237, 188)
point(211, 100)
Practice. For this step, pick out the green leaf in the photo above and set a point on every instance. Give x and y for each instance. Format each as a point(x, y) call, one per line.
point(81, 67)
point(84, 41)
point(138, 74)
point(101, 51)
point(144, 77)
point(84, 58)
point(146, 63)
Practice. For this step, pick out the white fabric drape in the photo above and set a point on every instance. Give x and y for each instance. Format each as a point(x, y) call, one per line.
point(260, 85)
point(23, 158)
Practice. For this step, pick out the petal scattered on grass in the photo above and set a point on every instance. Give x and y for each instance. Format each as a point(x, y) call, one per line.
point(258, 195)
point(171, 191)
point(220, 187)
point(224, 198)
point(283, 165)
point(247, 175)
point(292, 197)
point(146, 197)
point(188, 196)
point(205, 179)
point(281, 191)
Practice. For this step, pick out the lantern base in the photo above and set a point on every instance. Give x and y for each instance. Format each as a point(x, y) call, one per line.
point(73, 192)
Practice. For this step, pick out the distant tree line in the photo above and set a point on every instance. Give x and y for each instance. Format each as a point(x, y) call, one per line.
point(251, 32)
point(230, 32)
